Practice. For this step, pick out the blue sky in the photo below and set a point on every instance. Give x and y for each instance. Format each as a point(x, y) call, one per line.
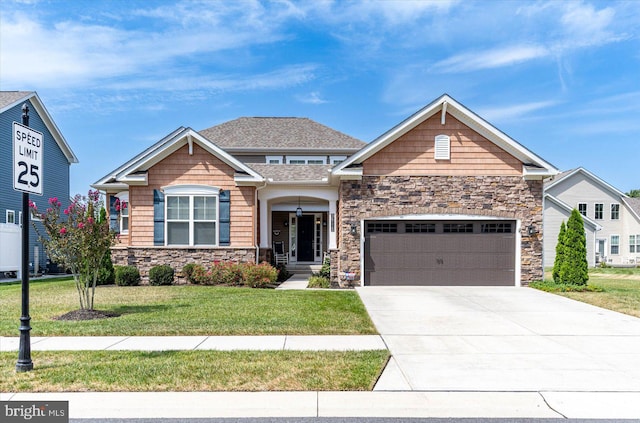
point(560, 77)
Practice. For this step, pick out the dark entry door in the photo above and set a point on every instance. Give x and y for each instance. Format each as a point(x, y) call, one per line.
point(305, 238)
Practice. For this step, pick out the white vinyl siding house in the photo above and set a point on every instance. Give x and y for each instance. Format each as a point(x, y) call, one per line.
point(608, 229)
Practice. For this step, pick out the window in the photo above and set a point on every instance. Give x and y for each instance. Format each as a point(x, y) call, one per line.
point(306, 160)
point(191, 218)
point(451, 228)
point(334, 160)
point(122, 207)
point(634, 243)
point(495, 228)
point(442, 147)
point(582, 208)
point(599, 211)
point(274, 159)
point(32, 214)
point(615, 211)
point(382, 227)
point(419, 228)
point(124, 217)
point(11, 216)
point(615, 244)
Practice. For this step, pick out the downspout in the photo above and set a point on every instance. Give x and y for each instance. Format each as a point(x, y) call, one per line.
point(255, 233)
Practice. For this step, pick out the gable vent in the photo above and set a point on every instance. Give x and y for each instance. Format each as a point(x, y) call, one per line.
point(442, 147)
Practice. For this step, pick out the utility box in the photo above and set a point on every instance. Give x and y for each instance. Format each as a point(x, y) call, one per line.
point(10, 248)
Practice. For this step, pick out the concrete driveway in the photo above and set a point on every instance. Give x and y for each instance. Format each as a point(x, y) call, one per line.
point(501, 339)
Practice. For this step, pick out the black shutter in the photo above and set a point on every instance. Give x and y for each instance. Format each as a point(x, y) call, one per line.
point(225, 217)
point(158, 217)
point(113, 214)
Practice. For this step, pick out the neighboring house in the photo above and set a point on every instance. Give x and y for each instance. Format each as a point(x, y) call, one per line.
point(612, 219)
point(441, 198)
point(57, 158)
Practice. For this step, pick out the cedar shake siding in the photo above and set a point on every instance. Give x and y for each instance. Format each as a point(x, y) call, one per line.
point(201, 168)
point(181, 168)
point(471, 153)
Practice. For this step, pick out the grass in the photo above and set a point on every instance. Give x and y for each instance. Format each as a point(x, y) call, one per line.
point(194, 371)
point(187, 310)
point(616, 289)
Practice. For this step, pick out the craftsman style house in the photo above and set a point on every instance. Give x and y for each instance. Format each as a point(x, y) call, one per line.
point(57, 159)
point(441, 198)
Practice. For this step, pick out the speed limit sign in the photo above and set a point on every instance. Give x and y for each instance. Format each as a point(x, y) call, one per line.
point(28, 147)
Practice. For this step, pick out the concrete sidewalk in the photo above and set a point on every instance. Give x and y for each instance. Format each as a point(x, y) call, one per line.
point(221, 343)
point(620, 405)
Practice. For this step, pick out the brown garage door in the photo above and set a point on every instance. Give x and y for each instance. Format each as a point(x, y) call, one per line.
point(440, 253)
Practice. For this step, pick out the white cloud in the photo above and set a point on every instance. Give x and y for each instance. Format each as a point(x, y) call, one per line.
point(514, 111)
point(313, 97)
point(489, 59)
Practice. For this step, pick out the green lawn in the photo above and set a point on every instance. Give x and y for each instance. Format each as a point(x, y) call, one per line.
point(620, 290)
point(187, 310)
point(194, 371)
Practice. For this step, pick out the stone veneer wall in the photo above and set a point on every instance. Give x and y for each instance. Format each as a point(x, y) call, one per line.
point(144, 258)
point(509, 197)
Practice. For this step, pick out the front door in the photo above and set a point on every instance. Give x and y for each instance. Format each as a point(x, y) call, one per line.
point(305, 238)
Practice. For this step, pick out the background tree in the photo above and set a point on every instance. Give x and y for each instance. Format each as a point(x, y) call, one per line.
point(557, 263)
point(634, 193)
point(78, 239)
point(574, 268)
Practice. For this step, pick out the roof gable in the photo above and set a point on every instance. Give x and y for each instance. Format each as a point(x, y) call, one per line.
point(134, 171)
point(533, 165)
point(10, 99)
point(582, 172)
point(262, 134)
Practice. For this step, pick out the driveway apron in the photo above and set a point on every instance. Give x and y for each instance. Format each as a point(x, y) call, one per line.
point(501, 339)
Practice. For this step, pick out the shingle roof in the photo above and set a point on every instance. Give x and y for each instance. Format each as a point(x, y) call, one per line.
point(292, 172)
point(281, 133)
point(634, 203)
point(10, 97)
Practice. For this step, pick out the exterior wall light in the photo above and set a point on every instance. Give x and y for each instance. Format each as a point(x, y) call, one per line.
point(532, 230)
point(354, 229)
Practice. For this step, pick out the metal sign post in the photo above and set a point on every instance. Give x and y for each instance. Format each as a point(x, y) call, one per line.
point(28, 146)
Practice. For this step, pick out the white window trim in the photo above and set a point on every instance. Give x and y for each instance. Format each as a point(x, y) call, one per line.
point(33, 216)
point(191, 191)
point(635, 244)
point(268, 159)
point(442, 147)
point(307, 158)
point(124, 198)
point(11, 213)
point(611, 211)
point(611, 245)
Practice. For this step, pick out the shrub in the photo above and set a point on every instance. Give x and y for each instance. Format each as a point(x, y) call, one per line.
point(161, 275)
point(258, 275)
point(316, 281)
point(325, 270)
point(574, 268)
point(560, 247)
point(200, 275)
point(226, 273)
point(106, 274)
point(187, 272)
point(283, 273)
point(127, 276)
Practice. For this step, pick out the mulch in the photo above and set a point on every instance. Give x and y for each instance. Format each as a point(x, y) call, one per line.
point(83, 314)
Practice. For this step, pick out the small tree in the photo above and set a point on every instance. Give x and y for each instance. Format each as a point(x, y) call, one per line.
point(574, 268)
point(557, 263)
point(634, 193)
point(77, 238)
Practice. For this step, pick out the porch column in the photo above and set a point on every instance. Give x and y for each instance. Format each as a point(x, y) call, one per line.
point(333, 224)
point(264, 224)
